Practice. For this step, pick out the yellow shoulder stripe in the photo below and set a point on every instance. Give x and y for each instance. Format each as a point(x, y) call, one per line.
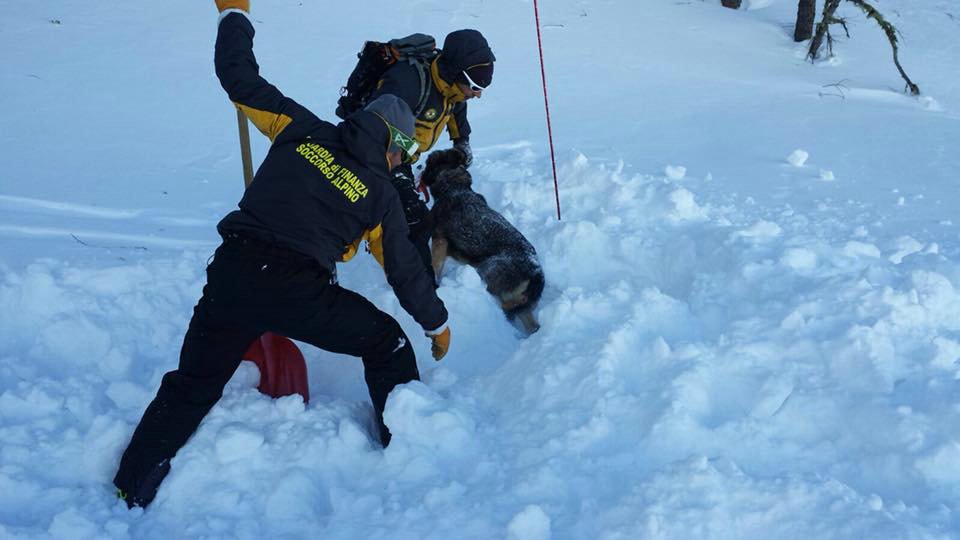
point(269, 123)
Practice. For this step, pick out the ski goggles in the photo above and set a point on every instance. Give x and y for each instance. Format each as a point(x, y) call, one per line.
point(472, 84)
point(408, 146)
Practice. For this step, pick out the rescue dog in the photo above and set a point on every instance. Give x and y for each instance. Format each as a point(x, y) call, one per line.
point(471, 232)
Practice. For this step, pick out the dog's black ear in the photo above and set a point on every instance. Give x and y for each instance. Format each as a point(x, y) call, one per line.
point(458, 158)
point(450, 158)
point(440, 161)
point(431, 170)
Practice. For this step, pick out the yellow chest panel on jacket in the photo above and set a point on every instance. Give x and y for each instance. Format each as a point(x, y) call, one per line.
point(433, 119)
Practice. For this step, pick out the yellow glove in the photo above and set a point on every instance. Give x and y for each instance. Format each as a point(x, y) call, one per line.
point(224, 5)
point(441, 341)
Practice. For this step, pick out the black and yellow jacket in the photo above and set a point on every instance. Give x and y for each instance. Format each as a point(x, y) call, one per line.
point(444, 107)
point(322, 188)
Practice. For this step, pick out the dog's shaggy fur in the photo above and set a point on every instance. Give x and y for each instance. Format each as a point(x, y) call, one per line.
point(468, 230)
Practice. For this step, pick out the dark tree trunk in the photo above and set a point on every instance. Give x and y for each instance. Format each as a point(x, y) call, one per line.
point(806, 13)
point(823, 29)
point(735, 4)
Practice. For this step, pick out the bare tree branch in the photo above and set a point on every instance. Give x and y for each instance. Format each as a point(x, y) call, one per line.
point(829, 17)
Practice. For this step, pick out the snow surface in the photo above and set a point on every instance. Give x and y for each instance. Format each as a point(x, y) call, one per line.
point(733, 347)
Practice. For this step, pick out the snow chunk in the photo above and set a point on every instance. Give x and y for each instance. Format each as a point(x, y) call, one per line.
point(799, 259)
point(935, 292)
point(572, 245)
point(418, 415)
point(297, 497)
point(441, 378)
point(438, 497)
point(235, 441)
point(827, 176)
point(111, 281)
point(75, 339)
point(530, 524)
point(247, 375)
point(685, 207)
point(948, 354)
point(794, 321)
point(72, 524)
point(128, 395)
point(798, 157)
point(772, 396)
point(32, 299)
point(35, 404)
point(675, 172)
point(290, 406)
point(580, 162)
point(905, 246)
point(943, 467)
point(861, 249)
point(761, 230)
point(930, 104)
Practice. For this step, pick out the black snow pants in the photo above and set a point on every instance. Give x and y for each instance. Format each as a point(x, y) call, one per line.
point(253, 287)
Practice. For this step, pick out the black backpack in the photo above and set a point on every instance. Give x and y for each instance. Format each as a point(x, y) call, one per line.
point(375, 58)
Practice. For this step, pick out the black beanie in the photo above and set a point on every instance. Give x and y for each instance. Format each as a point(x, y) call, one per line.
point(466, 50)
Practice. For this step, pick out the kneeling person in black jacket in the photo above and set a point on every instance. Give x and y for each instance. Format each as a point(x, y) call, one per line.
point(320, 191)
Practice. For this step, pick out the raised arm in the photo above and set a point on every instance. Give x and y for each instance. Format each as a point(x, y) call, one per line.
point(236, 67)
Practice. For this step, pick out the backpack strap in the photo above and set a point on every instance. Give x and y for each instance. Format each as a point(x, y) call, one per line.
point(422, 70)
point(419, 50)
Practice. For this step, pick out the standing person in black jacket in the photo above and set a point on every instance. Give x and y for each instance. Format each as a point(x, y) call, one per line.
point(462, 71)
point(321, 190)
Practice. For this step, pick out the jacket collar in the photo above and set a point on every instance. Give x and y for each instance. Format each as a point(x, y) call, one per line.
point(449, 91)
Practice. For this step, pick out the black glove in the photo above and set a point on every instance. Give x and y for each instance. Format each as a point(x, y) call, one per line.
point(414, 209)
point(463, 145)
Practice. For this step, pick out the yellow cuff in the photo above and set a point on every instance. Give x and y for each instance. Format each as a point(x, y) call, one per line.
point(224, 5)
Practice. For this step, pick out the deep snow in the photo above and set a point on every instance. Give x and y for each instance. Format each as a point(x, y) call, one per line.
point(752, 321)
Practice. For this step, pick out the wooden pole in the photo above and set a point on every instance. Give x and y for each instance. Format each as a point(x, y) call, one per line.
point(245, 154)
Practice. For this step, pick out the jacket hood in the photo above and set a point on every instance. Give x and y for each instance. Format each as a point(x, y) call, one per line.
point(461, 50)
point(366, 137)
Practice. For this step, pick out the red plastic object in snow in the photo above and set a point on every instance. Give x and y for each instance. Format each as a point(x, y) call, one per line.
point(283, 371)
